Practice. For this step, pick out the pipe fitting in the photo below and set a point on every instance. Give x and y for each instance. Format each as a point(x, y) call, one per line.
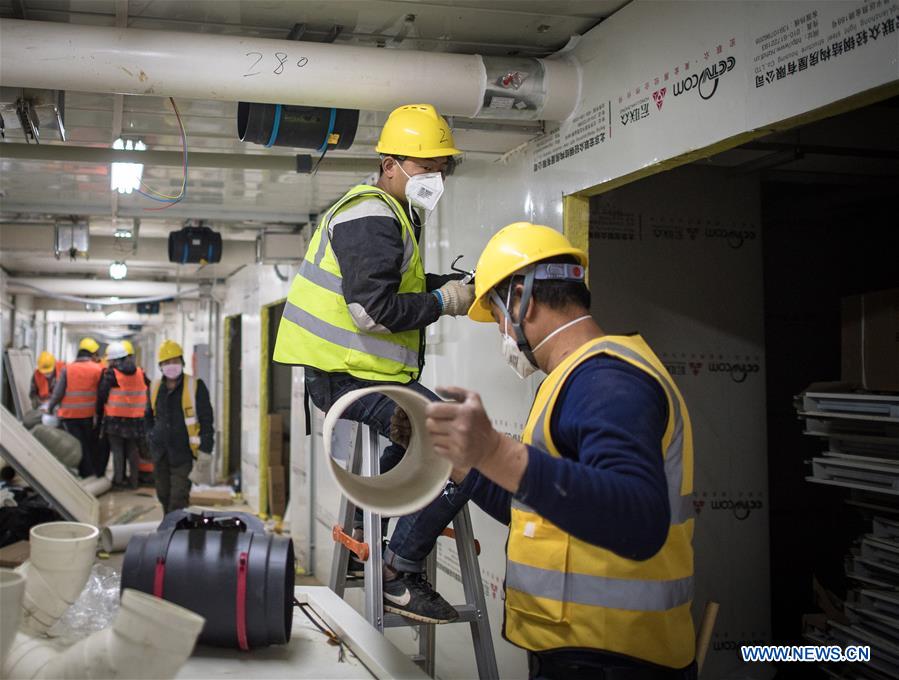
point(62, 554)
point(416, 480)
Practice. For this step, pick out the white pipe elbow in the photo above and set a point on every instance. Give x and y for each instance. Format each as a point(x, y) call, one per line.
point(148, 633)
point(62, 554)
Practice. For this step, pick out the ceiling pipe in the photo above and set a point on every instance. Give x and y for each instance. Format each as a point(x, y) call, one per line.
point(62, 56)
point(229, 161)
point(110, 301)
point(69, 286)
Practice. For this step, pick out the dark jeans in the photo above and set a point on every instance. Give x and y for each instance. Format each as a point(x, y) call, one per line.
point(124, 449)
point(172, 484)
point(585, 664)
point(415, 535)
point(83, 430)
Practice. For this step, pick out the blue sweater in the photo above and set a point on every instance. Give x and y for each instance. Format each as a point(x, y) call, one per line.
point(609, 487)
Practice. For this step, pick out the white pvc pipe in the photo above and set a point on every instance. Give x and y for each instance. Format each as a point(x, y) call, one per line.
point(415, 481)
point(149, 638)
point(93, 286)
point(81, 58)
point(62, 554)
point(12, 589)
point(115, 537)
point(96, 486)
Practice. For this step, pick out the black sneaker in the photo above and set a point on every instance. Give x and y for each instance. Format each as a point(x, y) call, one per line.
point(413, 597)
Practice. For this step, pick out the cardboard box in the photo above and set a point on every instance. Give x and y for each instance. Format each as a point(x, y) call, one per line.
point(211, 497)
point(14, 554)
point(275, 439)
point(277, 490)
point(870, 340)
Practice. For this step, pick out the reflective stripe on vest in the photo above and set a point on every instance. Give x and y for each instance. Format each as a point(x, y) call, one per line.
point(564, 592)
point(80, 398)
point(317, 328)
point(129, 399)
point(188, 408)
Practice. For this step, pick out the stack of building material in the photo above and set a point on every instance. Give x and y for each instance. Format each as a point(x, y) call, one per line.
point(277, 466)
point(861, 435)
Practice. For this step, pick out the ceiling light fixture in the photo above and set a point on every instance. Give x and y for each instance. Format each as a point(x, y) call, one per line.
point(125, 177)
point(118, 270)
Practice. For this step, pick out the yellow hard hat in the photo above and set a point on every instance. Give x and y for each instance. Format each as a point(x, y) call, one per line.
point(512, 248)
point(128, 346)
point(46, 363)
point(416, 130)
point(169, 349)
point(89, 344)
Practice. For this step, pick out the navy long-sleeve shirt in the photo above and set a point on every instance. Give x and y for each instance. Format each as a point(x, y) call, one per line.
point(608, 487)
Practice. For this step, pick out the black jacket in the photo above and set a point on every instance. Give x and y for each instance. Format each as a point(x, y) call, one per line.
point(131, 428)
point(367, 240)
point(168, 433)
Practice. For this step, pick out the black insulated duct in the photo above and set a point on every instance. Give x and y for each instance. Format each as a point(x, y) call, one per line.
point(195, 245)
point(299, 127)
point(224, 567)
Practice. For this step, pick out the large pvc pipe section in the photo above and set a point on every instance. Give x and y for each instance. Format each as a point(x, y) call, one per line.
point(115, 537)
point(222, 566)
point(149, 638)
point(82, 58)
point(62, 554)
point(12, 589)
point(96, 486)
point(414, 482)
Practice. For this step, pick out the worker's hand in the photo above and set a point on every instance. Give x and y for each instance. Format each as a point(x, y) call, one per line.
point(44, 407)
point(400, 428)
point(460, 429)
point(457, 297)
point(201, 472)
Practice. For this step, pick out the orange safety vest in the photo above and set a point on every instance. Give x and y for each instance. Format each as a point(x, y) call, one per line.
point(129, 399)
point(43, 385)
point(80, 399)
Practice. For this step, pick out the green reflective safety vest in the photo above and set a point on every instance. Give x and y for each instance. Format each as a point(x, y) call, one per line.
point(317, 328)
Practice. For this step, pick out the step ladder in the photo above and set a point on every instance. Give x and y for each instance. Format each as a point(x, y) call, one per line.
point(365, 459)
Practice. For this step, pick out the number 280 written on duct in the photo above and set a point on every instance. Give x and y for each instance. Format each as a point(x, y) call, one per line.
point(279, 61)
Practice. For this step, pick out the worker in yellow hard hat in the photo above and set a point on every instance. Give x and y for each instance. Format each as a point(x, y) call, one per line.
point(44, 379)
point(597, 493)
point(356, 315)
point(76, 395)
point(182, 429)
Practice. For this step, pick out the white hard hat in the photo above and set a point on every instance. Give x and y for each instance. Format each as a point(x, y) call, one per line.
point(49, 420)
point(116, 350)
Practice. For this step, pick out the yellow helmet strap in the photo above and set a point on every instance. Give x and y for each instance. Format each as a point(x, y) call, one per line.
point(506, 308)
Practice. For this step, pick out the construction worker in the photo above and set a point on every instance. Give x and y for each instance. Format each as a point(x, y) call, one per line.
point(597, 493)
point(356, 313)
point(182, 435)
point(76, 395)
point(44, 379)
point(122, 399)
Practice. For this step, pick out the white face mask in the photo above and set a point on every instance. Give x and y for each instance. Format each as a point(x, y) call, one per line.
point(423, 191)
point(517, 359)
point(172, 371)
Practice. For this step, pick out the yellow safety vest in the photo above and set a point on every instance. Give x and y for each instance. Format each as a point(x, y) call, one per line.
point(317, 328)
point(188, 408)
point(562, 592)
